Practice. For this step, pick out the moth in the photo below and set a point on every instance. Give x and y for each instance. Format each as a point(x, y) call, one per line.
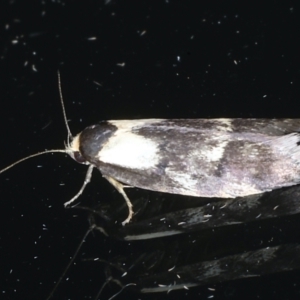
point(223, 158)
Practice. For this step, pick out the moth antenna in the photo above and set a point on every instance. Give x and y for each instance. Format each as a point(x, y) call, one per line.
point(70, 136)
point(122, 289)
point(30, 156)
point(109, 280)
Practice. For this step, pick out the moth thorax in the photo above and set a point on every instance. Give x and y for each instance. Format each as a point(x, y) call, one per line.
point(93, 138)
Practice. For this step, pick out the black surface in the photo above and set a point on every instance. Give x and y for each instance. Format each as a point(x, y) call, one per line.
point(183, 59)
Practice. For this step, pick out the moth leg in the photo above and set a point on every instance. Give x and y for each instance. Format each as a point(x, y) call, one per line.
point(120, 188)
point(87, 179)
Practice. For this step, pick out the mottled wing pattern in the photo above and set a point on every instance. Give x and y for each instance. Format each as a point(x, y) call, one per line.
point(223, 158)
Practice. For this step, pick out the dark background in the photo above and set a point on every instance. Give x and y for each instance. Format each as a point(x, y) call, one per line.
point(181, 59)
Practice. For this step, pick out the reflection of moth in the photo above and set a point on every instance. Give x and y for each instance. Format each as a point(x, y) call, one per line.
point(190, 244)
point(200, 245)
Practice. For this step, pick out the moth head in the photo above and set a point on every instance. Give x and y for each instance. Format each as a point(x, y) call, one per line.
point(73, 149)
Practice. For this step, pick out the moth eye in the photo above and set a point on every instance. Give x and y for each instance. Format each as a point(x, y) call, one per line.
point(79, 158)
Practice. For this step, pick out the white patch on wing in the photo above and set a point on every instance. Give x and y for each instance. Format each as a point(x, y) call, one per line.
point(215, 153)
point(184, 180)
point(212, 153)
point(288, 145)
point(130, 150)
